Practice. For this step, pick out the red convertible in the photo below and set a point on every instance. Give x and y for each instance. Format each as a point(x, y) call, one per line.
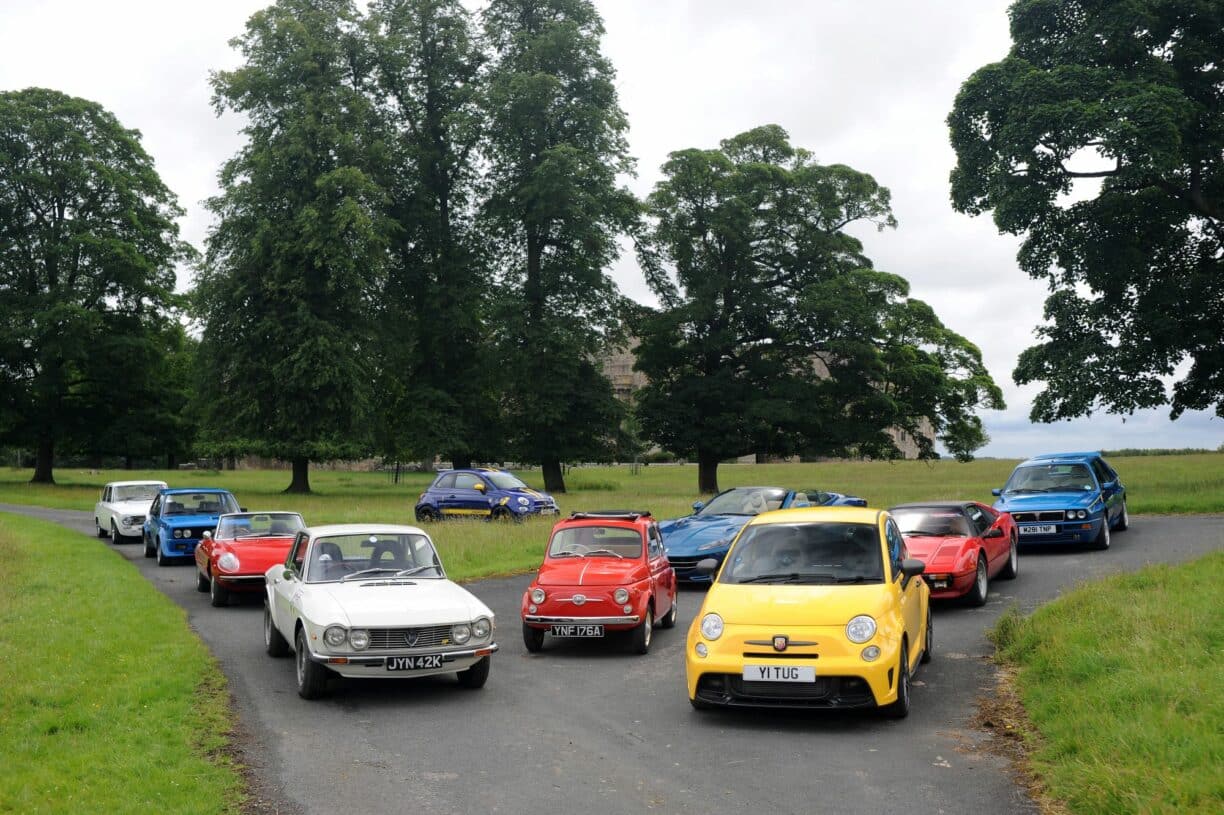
point(603, 572)
point(963, 544)
point(245, 545)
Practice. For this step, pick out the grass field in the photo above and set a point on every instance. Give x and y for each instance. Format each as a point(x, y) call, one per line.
point(108, 702)
point(1123, 682)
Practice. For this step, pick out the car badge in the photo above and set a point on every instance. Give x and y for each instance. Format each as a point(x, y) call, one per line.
point(579, 599)
point(411, 638)
point(780, 642)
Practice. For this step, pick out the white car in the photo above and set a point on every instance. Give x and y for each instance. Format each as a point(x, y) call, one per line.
point(372, 601)
point(121, 510)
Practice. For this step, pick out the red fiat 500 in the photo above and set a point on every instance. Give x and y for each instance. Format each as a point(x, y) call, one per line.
point(245, 545)
point(603, 572)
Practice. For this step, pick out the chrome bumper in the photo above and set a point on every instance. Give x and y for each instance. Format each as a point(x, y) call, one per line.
point(363, 659)
point(539, 618)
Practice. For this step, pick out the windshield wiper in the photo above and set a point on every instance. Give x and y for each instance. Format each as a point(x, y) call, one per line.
point(789, 577)
point(414, 570)
point(568, 554)
point(858, 578)
point(618, 555)
point(376, 570)
point(920, 532)
point(1024, 491)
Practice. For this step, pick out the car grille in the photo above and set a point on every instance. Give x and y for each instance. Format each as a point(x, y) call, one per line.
point(686, 566)
point(1029, 517)
point(826, 691)
point(396, 638)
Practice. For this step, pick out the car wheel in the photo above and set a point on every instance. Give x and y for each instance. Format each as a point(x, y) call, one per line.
point(981, 584)
point(202, 581)
point(900, 708)
point(274, 642)
point(475, 676)
point(669, 619)
point(149, 550)
point(501, 514)
point(640, 637)
point(1102, 538)
point(162, 559)
point(218, 594)
point(533, 638)
point(928, 645)
point(1012, 567)
point(101, 533)
point(1123, 519)
point(425, 514)
point(311, 677)
point(114, 534)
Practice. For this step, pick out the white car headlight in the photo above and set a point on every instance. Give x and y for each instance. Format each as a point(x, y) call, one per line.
point(523, 502)
point(860, 629)
point(228, 562)
point(711, 626)
point(461, 633)
point(129, 520)
point(359, 638)
point(335, 636)
point(481, 628)
point(621, 596)
point(537, 596)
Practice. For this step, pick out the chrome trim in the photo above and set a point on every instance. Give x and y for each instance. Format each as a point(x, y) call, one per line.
point(244, 579)
point(789, 643)
point(539, 618)
point(360, 658)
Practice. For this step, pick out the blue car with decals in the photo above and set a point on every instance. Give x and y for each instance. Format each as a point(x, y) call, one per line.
point(178, 519)
point(482, 493)
point(1065, 498)
point(708, 532)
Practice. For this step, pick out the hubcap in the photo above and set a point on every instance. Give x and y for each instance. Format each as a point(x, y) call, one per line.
point(981, 576)
point(301, 660)
point(649, 628)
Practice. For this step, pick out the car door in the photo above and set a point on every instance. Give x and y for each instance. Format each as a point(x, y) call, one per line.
point(997, 549)
point(469, 494)
point(287, 585)
point(662, 577)
point(151, 522)
point(1111, 488)
point(102, 510)
point(909, 593)
point(444, 494)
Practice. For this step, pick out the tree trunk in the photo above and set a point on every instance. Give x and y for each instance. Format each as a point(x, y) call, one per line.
point(554, 481)
point(707, 472)
point(171, 461)
point(129, 463)
point(461, 461)
point(43, 462)
point(301, 476)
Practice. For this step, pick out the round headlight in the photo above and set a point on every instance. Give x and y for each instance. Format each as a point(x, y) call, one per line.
point(128, 520)
point(359, 638)
point(711, 626)
point(335, 636)
point(228, 562)
point(523, 502)
point(461, 633)
point(537, 596)
point(178, 533)
point(481, 628)
point(621, 596)
point(860, 629)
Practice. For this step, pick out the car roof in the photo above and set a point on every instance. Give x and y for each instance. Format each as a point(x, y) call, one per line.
point(135, 483)
point(1073, 456)
point(260, 512)
point(364, 529)
point(607, 517)
point(853, 515)
point(933, 505)
point(182, 490)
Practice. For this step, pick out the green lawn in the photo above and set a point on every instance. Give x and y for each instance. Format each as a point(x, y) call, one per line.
point(1123, 682)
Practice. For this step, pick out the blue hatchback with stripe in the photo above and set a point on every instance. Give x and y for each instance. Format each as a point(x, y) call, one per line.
point(482, 493)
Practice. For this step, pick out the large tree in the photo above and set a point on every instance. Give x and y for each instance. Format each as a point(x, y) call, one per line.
point(775, 334)
point(555, 146)
point(285, 294)
point(1130, 93)
point(88, 250)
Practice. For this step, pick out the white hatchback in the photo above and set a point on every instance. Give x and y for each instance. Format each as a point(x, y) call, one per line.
point(122, 507)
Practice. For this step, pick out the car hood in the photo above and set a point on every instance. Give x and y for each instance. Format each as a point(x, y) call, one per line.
point(254, 551)
point(936, 550)
point(138, 506)
point(794, 605)
point(527, 492)
point(1079, 499)
point(590, 571)
point(205, 519)
point(685, 536)
point(394, 602)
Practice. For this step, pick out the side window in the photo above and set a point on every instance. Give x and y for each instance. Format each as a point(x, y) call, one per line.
point(466, 481)
point(446, 482)
point(106, 494)
point(297, 555)
point(1102, 472)
point(155, 508)
point(655, 540)
point(979, 520)
point(896, 547)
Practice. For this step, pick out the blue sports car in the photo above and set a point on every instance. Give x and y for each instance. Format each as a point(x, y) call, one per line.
point(708, 532)
point(178, 519)
point(1065, 498)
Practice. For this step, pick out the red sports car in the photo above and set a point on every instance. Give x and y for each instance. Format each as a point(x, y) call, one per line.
point(603, 572)
point(245, 545)
point(963, 544)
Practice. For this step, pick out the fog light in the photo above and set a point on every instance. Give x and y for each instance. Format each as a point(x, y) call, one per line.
point(628, 609)
point(701, 649)
point(871, 653)
point(531, 609)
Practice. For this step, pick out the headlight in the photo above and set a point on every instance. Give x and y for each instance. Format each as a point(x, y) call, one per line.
point(711, 626)
point(481, 628)
point(131, 520)
point(335, 636)
point(537, 596)
point(621, 596)
point(359, 639)
point(860, 629)
point(523, 502)
point(178, 533)
point(461, 633)
point(718, 544)
point(228, 562)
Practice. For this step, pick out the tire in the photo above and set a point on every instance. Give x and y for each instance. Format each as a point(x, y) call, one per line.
point(217, 594)
point(1012, 567)
point(311, 677)
point(202, 581)
point(669, 619)
point(425, 515)
point(475, 676)
point(533, 638)
point(901, 708)
point(1123, 519)
point(1102, 539)
point(149, 551)
point(114, 533)
point(640, 637)
point(928, 645)
point(981, 584)
point(162, 558)
point(99, 531)
point(501, 514)
point(274, 641)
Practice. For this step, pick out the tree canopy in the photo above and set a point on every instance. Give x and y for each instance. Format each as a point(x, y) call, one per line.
point(1128, 93)
point(88, 250)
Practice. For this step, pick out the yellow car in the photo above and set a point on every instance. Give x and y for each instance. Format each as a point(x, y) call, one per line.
point(813, 608)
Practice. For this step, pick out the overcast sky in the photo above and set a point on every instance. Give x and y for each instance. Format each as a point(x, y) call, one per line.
point(866, 83)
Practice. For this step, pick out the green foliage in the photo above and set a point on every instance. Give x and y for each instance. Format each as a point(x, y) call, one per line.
point(776, 335)
point(1129, 93)
point(88, 248)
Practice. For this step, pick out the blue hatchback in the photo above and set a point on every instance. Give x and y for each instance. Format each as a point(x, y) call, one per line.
point(482, 493)
point(1065, 498)
point(708, 532)
point(179, 517)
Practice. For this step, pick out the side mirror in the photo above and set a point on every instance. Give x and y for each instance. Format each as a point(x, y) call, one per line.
point(996, 493)
point(287, 574)
point(479, 486)
point(698, 506)
point(911, 568)
point(993, 532)
point(706, 566)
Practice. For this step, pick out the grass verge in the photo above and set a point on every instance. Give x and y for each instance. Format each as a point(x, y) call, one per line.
point(1123, 685)
point(108, 702)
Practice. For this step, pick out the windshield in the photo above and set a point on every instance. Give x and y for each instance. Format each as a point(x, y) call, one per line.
point(1036, 478)
point(345, 557)
point(505, 481)
point(744, 501)
point(200, 503)
point(136, 492)
point(260, 525)
point(806, 553)
point(596, 541)
point(936, 521)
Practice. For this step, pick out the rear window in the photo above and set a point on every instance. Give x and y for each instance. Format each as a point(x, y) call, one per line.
point(806, 553)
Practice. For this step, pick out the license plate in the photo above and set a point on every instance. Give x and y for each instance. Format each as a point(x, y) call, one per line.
point(577, 630)
point(414, 663)
point(779, 673)
point(1043, 529)
point(548, 512)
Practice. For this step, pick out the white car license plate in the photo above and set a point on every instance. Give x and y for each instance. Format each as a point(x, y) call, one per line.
point(414, 663)
point(1043, 529)
point(577, 630)
point(779, 673)
point(548, 511)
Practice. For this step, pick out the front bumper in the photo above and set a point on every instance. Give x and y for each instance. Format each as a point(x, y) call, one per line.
point(952, 586)
point(374, 666)
point(241, 582)
point(685, 567)
point(544, 621)
point(1067, 532)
